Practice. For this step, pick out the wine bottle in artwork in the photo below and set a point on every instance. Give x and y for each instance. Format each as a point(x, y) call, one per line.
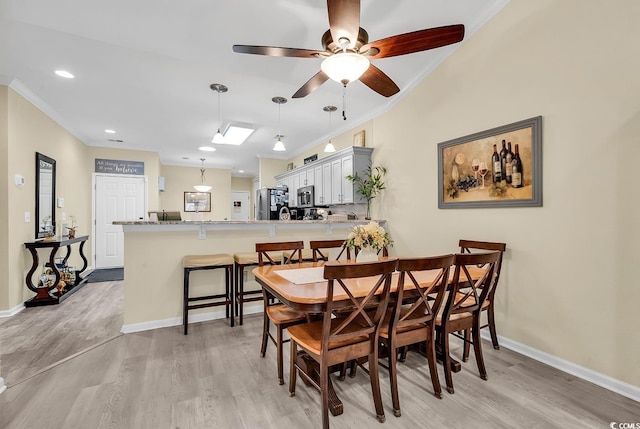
point(503, 161)
point(496, 165)
point(517, 171)
point(508, 164)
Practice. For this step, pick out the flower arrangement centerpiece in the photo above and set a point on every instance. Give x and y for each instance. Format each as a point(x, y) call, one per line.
point(370, 239)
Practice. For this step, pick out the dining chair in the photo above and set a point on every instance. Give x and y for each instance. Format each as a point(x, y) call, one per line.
point(334, 340)
point(467, 246)
point(413, 323)
point(274, 312)
point(463, 306)
point(318, 246)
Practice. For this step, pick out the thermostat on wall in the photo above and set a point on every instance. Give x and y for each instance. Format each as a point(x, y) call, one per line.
point(60, 202)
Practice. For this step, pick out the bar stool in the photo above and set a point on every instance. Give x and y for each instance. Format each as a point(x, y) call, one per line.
point(207, 262)
point(242, 260)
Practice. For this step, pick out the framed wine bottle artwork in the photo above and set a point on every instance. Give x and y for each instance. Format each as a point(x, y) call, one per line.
point(500, 167)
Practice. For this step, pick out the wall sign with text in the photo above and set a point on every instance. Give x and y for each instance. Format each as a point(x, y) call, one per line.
point(113, 166)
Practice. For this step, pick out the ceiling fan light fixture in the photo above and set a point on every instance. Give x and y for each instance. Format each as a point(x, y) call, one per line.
point(345, 67)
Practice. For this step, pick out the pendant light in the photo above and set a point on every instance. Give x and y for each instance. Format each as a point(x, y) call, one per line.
point(219, 88)
point(202, 187)
point(279, 146)
point(329, 147)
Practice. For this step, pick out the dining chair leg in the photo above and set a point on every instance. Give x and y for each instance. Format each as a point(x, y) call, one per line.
point(324, 390)
point(446, 360)
point(343, 371)
point(374, 376)
point(265, 334)
point(293, 373)
point(279, 354)
point(433, 367)
point(393, 376)
point(466, 344)
point(477, 348)
point(492, 326)
point(403, 353)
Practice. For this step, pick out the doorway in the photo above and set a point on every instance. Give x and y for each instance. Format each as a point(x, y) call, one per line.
point(240, 209)
point(121, 198)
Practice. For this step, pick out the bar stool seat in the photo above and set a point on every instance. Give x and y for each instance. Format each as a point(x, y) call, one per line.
point(307, 255)
point(242, 260)
point(208, 262)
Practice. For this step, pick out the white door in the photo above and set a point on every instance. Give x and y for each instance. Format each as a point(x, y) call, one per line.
point(121, 198)
point(240, 201)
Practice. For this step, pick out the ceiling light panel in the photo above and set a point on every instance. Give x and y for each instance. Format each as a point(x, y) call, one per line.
point(236, 134)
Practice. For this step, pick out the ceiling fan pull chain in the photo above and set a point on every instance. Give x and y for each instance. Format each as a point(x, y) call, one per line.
point(344, 102)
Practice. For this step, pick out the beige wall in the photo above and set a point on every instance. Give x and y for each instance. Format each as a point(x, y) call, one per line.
point(30, 131)
point(151, 166)
point(567, 285)
point(268, 169)
point(179, 180)
point(5, 274)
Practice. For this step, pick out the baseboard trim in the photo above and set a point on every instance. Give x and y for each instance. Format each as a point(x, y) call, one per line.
point(609, 383)
point(177, 321)
point(12, 311)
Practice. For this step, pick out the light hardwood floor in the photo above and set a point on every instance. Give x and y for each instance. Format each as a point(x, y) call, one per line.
point(214, 378)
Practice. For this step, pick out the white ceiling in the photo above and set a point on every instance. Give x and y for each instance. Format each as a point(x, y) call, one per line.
point(143, 68)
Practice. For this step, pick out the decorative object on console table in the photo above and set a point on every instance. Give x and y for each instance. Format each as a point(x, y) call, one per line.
point(370, 185)
point(54, 272)
point(370, 239)
point(73, 227)
point(460, 160)
point(358, 139)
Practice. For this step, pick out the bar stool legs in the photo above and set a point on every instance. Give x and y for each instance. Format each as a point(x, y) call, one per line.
point(207, 262)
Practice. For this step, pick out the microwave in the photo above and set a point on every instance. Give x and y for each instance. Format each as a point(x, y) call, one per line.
point(305, 196)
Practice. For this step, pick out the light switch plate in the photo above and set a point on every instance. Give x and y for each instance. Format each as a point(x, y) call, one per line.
point(60, 202)
point(27, 217)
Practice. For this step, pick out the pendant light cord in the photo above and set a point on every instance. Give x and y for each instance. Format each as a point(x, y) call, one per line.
point(344, 102)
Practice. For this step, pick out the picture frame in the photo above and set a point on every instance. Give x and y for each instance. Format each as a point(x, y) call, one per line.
point(290, 166)
point(310, 159)
point(197, 201)
point(358, 138)
point(461, 183)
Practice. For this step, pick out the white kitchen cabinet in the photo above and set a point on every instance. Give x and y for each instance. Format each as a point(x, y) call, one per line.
point(341, 187)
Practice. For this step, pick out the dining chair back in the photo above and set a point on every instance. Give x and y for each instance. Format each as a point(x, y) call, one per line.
point(274, 312)
point(470, 246)
point(464, 303)
point(334, 340)
point(320, 247)
point(411, 318)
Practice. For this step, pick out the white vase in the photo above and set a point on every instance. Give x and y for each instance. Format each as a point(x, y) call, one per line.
point(367, 254)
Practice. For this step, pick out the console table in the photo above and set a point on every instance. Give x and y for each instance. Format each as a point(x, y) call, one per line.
point(44, 294)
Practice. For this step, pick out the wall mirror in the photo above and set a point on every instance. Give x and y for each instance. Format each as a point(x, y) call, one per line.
point(45, 196)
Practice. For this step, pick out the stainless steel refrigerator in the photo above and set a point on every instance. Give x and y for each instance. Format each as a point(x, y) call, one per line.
point(269, 201)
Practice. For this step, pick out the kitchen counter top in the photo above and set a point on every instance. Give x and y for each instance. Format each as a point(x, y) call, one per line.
point(220, 225)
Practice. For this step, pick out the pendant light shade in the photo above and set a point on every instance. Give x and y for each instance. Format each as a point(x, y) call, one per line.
point(202, 187)
point(279, 146)
point(329, 148)
point(219, 88)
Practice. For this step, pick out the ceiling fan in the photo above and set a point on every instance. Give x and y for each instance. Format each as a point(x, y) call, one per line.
point(347, 50)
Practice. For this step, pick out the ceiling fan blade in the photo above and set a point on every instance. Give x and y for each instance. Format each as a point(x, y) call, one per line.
point(275, 51)
point(377, 80)
point(415, 41)
point(344, 20)
point(311, 85)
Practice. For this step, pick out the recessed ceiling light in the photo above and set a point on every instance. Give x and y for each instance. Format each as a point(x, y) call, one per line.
point(109, 131)
point(240, 171)
point(185, 157)
point(207, 148)
point(65, 74)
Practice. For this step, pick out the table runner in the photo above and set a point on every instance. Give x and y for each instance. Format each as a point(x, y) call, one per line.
point(300, 276)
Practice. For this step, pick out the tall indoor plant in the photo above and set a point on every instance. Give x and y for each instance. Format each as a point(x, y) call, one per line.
point(370, 184)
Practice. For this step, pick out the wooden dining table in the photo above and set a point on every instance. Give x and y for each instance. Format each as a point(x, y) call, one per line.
point(302, 287)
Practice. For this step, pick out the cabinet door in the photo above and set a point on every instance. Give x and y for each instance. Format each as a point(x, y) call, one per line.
point(317, 183)
point(293, 190)
point(347, 185)
point(310, 177)
point(302, 179)
point(336, 181)
point(326, 184)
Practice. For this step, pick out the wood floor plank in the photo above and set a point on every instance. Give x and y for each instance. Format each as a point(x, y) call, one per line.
point(214, 377)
